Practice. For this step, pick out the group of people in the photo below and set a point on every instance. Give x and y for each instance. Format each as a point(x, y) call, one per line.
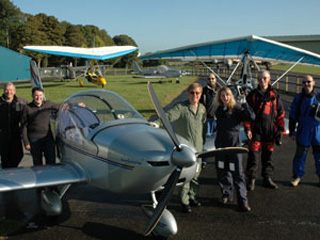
point(29, 122)
point(214, 108)
point(206, 110)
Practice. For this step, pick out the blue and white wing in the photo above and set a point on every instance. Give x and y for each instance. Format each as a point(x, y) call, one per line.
point(99, 53)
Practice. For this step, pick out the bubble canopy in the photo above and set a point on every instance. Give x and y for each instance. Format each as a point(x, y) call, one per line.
point(86, 110)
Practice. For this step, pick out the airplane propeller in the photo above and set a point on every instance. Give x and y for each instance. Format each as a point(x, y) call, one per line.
point(182, 156)
point(163, 117)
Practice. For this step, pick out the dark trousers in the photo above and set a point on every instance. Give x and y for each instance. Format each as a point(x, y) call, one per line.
point(43, 146)
point(266, 162)
point(230, 174)
point(11, 152)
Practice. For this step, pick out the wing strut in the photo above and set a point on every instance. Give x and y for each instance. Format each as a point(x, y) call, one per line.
point(289, 69)
point(210, 69)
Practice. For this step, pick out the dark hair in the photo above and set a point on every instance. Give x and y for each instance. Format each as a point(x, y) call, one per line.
point(37, 89)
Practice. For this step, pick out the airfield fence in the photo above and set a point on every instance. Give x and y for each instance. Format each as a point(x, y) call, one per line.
point(291, 83)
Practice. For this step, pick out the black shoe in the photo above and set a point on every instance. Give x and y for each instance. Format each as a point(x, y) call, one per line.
point(251, 184)
point(224, 201)
point(268, 183)
point(195, 203)
point(245, 208)
point(186, 208)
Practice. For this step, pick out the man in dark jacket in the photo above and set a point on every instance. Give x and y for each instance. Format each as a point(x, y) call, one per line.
point(11, 151)
point(11, 110)
point(207, 99)
point(262, 133)
point(37, 134)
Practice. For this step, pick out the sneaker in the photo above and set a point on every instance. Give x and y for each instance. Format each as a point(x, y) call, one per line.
point(32, 225)
point(194, 203)
point(251, 184)
point(224, 200)
point(295, 182)
point(245, 208)
point(186, 208)
point(268, 183)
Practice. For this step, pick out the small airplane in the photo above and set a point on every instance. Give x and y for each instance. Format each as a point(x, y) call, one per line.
point(96, 133)
point(99, 53)
point(248, 50)
point(161, 71)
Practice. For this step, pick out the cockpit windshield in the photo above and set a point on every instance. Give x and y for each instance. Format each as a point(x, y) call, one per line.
point(86, 110)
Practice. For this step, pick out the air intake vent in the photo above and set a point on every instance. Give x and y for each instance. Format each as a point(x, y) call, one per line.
point(159, 163)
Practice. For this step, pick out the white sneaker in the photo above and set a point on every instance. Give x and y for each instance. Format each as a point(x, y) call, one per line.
point(295, 182)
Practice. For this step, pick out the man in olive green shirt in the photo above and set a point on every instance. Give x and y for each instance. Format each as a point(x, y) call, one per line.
point(190, 122)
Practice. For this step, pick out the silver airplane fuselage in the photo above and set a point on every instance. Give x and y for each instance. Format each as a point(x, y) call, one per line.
point(122, 155)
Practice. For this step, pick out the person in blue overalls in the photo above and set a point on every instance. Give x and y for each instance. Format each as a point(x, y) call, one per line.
point(304, 110)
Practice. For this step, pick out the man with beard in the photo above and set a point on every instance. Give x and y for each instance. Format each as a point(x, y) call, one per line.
point(207, 99)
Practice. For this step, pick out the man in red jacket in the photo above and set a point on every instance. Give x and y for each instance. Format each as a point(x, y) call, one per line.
point(262, 133)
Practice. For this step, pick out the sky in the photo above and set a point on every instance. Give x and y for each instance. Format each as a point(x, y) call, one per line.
point(166, 24)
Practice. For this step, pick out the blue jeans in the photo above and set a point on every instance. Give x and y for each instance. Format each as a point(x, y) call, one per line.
point(211, 124)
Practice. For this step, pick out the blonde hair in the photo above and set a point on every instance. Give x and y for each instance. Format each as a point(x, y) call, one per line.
point(231, 105)
point(194, 86)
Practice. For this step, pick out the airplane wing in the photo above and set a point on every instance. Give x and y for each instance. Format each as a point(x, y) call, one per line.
point(99, 53)
point(150, 76)
point(258, 47)
point(13, 179)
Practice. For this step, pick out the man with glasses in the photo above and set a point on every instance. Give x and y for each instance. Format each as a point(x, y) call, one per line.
point(190, 122)
point(264, 131)
point(304, 110)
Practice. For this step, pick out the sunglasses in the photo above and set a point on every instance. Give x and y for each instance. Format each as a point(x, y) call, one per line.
point(305, 82)
point(211, 78)
point(195, 93)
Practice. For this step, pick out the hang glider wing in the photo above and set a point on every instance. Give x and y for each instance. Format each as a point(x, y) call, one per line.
point(99, 53)
point(258, 48)
point(13, 179)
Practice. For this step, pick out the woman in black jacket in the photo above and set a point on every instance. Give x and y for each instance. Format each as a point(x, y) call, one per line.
point(229, 166)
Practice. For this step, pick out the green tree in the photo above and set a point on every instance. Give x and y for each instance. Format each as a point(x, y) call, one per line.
point(123, 40)
point(10, 19)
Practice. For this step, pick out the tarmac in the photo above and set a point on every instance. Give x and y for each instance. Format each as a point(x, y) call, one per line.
point(287, 213)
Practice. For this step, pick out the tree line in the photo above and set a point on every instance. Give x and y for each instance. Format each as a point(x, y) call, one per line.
point(18, 29)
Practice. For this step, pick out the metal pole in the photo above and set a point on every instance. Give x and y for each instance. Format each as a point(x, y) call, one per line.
point(288, 70)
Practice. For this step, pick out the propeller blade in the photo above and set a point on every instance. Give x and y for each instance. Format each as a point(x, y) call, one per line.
point(165, 196)
point(221, 151)
point(162, 116)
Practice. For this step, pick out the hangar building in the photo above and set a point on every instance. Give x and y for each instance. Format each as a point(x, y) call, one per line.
point(307, 42)
point(13, 65)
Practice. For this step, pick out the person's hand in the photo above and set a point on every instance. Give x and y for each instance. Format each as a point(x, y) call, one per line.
point(28, 147)
point(249, 134)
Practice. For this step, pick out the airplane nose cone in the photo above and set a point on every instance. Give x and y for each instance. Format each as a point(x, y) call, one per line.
point(183, 158)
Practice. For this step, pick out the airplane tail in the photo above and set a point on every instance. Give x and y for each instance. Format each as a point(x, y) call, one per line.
point(35, 75)
point(136, 67)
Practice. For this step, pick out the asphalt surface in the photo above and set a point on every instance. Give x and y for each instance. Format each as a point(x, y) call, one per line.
point(287, 214)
